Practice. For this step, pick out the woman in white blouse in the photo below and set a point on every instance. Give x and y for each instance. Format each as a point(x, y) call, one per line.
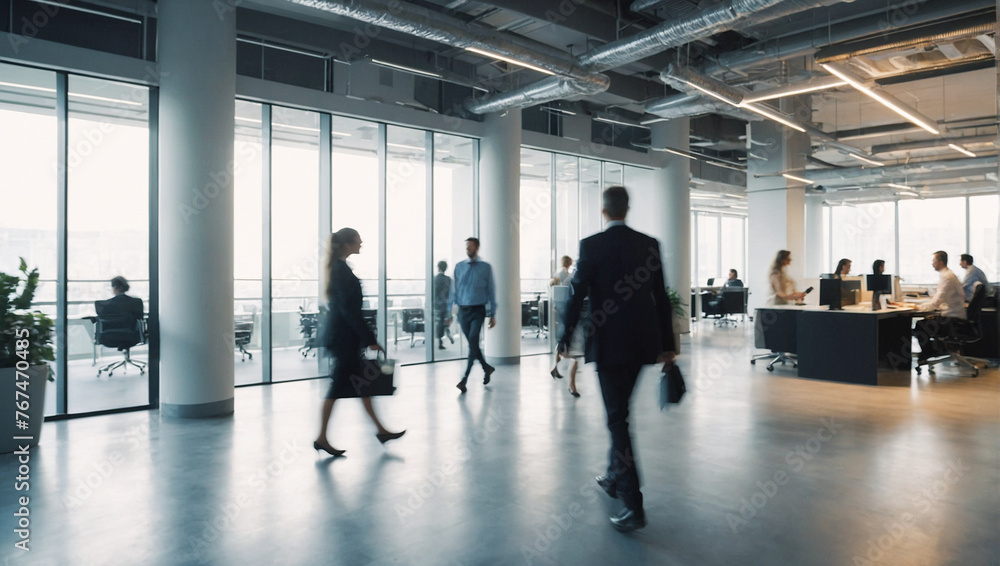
point(782, 286)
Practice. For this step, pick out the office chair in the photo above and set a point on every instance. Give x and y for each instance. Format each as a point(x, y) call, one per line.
point(243, 327)
point(535, 321)
point(734, 301)
point(962, 333)
point(371, 319)
point(120, 325)
point(308, 322)
point(778, 336)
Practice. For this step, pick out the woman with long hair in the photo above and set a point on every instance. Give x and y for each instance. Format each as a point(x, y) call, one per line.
point(843, 269)
point(348, 334)
point(782, 286)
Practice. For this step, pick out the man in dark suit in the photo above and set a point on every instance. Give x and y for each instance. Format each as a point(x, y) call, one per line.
point(629, 325)
point(122, 302)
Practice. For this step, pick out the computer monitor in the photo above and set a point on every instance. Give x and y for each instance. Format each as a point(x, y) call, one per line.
point(827, 275)
point(848, 286)
point(829, 293)
point(879, 283)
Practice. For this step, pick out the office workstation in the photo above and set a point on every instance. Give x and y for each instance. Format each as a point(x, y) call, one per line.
point(208, 151)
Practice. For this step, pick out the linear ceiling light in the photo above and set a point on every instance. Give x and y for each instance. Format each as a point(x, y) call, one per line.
point(883, 98)
point(800, 179)
point(811, 85)
point(382, 63)
point(558, 111)
point(619, 122)
point(900, 187)
point(75, 94)
point(509, 60)
point(757, 109)
point(866, 160)
point(961, 149)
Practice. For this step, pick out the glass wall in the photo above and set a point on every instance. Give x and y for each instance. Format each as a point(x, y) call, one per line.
point(454, 216)
point(296, 244)
point(406, 197)
point(590, 198)
point(718, 244)
point(708, 248)
point(248, 242)
point(926, 226)
point(28, 190)
point(983, 235)
point(107, 234)
point(567, 209)
point(537, 265)
point(862, 234)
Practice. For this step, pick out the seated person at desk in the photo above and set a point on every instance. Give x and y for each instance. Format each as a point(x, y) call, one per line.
point(715, 300)
point(131, 305)
point(843, 269)
point(782, 286)
point(972, 275)
point(878, 267)
point(564, 276)
point(948, 299)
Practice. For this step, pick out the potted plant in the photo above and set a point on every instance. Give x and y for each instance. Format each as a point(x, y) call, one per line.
point(25, 347)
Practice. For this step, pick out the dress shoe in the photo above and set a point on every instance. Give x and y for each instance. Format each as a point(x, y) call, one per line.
point(384, 437)
point(489, 372)
point(608, 485)
point(555, 373)
point(461, 386)
point(440, 345)
point(629, 520)
point(574, 393)
point(328, 449)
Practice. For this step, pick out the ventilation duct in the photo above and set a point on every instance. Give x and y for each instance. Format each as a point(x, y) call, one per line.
point(952, 31)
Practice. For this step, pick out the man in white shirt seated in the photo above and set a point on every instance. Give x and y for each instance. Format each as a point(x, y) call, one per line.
point(949, 299)
point(972, 275)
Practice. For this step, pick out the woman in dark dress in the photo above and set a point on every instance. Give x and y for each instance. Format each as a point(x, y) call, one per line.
point(348, 334)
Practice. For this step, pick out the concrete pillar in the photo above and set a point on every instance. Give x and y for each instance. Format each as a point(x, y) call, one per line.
point(814, 264)
point(197, 50)
point(499, 229)
point(776, 205)
point(673, 182)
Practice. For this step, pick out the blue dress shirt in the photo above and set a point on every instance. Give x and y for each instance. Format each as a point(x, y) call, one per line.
point(974, 274)
point(473, 285)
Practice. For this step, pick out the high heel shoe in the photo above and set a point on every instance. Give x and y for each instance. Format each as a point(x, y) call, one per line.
point(384, 437)
point(574, 393)
point(555, 373)
point(329, 450)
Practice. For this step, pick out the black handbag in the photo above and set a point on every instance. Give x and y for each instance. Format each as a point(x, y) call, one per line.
point(376, 377)
point(672, 386)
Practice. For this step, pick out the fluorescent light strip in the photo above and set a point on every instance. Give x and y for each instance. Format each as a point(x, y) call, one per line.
point(961, 149)
point(619, 122)
point(291, 127)
point(679, 153)
point(405, 69)
point(779, 94)
point(757, 109)
point(866, 160)
point(900, 187)
point(559, 110)
point(509, 60)
point(711, 93)
point(653, 121)
point(881, 99)
point(68, 6)
point(794, 178)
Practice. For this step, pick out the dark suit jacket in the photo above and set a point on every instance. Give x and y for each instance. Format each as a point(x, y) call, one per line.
point(630, 314)
point(442, 290)
point(733, 283)
point(131, 305)
point(119, 318)
point(346, 333)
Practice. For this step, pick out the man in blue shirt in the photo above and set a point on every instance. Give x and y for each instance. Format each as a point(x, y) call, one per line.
point(972, 274)
point(476, 297)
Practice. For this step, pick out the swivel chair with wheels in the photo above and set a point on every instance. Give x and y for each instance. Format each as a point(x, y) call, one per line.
point(733, 302)
point(120, 325)
point(961, 333)
point(243, 326)
point(776, 332)
point(308, 323)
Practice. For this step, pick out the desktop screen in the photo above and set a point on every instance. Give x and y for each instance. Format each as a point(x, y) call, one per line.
point(880, 283)
point(829, 293)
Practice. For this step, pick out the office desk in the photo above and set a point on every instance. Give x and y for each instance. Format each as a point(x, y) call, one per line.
point(848, 346)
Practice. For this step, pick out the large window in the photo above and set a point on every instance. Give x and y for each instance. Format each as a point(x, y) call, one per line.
point(983, 234)
point(537, 265)
point(406, 242)
point(28, 187)
point(590, 197)
point(733, 246)
point(248, 242)
point(107, 232)
point(708, 248)
point(454, 215)
point(862, 234)
point(296, 244)
point(926, 226)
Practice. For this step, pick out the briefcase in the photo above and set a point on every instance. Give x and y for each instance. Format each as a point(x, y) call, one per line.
point(376, 377)
point(672, 386)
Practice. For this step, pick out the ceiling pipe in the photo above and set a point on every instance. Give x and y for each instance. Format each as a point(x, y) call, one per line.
point(689, 105)
point(953, 167)
point(807, 43)
point(435, 26)
point(649, 42)
point(923, 144)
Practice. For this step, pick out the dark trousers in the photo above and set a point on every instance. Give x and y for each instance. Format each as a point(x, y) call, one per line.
point(471, 321)
point(440, 315)
point(928, 330)
point(617, 383)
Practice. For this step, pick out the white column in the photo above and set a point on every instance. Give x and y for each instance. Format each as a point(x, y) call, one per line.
point(775, 206)
point(674, 210)
point(499, 229)
point(197, 51)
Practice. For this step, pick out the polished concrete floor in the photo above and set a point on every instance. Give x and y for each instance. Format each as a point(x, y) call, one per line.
point(752, 468)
